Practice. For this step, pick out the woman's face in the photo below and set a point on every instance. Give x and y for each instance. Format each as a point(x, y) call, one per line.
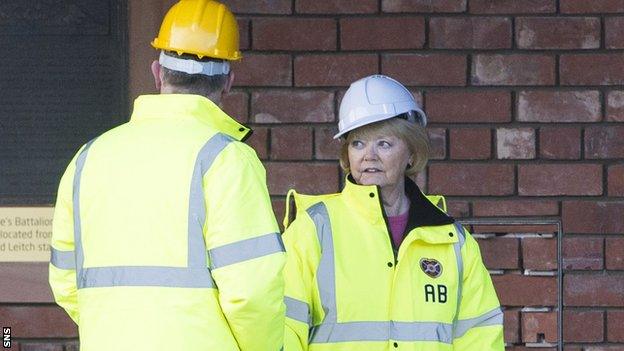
point(378, 159)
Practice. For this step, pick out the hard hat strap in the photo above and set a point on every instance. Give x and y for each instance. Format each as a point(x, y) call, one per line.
point(210, 68)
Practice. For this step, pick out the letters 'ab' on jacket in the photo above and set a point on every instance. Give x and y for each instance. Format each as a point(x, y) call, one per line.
point(164, 237)
point(348, 288)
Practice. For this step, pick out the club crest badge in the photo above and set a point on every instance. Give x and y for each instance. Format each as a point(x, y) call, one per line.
point(431, 267)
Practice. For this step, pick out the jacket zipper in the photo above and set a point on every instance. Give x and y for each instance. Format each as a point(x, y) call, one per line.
point(395, 251)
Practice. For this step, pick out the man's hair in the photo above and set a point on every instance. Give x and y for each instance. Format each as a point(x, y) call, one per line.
point(199, 84)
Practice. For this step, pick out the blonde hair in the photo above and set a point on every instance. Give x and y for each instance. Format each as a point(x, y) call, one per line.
point(413, 134)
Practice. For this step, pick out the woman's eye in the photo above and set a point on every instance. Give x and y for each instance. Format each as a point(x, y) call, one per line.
point(356, 144)
point(384, 144)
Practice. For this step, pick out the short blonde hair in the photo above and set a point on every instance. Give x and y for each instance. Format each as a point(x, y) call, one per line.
point(413, 134)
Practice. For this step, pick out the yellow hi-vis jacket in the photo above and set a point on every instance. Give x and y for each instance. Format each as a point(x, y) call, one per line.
point(164, 237)
point(348, 288)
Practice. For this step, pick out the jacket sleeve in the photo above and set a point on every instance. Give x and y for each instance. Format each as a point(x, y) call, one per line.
point(62, 268)
point(479, 325)
point(245, 251)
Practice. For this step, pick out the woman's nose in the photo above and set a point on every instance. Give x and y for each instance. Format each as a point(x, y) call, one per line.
point(370, 153)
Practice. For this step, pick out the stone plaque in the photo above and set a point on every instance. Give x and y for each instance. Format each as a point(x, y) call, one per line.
point(25, 234)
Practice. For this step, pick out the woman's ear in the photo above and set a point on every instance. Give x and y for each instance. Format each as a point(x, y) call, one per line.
point(156, 72)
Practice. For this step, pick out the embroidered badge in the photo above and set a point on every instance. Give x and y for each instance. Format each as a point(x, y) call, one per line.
point(431, 267)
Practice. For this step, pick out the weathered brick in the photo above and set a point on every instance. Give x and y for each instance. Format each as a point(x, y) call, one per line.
point(500, 253)
point(563, 143)
point(437, 143)
point(469, 106)
point(325, 146)
point(285, 106)
point(593, 217)
point(558, 32)
point(334, 70)
point(591, 69)
point(515, 143)
point(279, 209)
point(505, 208)
point(583, 253)
point(514, 69)
point(615, 106)
point(335, 6)
point(259, 141)
point(263, 70)
point(236, 104)
point(426, 69)
point(294, 34)
point(41, 347)
point(35, 289)
point(539, 327)
point(471, 179)
point(382, 33)
point(306, 178)
point(539, 254)
point(614, 27)
point(515, 228)
point(470, 144)
point(291, 143)
point(524, 290)
point(470, 33)
point(593, 290)
point(259, 6)
point(423, 5)
point(614, 253)
point(595, 6)
point(559, 106)
point(457, 209)
point(243, 33)
point(511, 325)
point(38, 322)
point(615, 180)
point(615, 321)
point(559, 179)
point(583, 326)
point(512, 6)
point(604, 142)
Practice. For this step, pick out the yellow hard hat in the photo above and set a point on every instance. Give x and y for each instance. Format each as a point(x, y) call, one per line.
point(205, 28)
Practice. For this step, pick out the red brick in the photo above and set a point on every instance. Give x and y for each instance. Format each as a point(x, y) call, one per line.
point(334, 70)
point(382, 33)
point(471, 179)
point(38, 322)
point(470, 144)
point(604, 142)
point(457, 209)
point(539, 254)
point(558, 33)
point(291, 143)
point(263, 70)
point(511, 325)
point(593, 290)
point(306, 178)
point(536, 323)
point(260, 6)
point(325, 146)
point(583, 326)
point(524, 290)
point(515, 143)
point(335, 6)
point(437, 143)
point(469, 106)
point(583, 253)
point(523, 348)
point(423, 5)
point(28, 283)
point(515, 228)
point(72, 346)
point(616, 180)
point(279, 209)
point(614, 253)
point(512, 6)
point(559, 106)
point(593, 217)
point(426, 69)
point(470, 33)
point(615, 321)
point(559, 179)
point(294, 34)
point(594, 6)
point(236, 105)
point(41, 347)
point(243, 33)
point(286, 106)
point(500, 253)
point(615, 106)
point(562, 143)
point(514, 69)
point(601, 348)
point(507, 208)
point(614, 27)
point(591, 69)
point(259, 141)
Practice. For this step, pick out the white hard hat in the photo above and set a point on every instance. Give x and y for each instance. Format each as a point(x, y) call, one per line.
point(376, 98)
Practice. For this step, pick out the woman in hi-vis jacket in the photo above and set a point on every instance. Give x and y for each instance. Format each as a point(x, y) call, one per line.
point(380, 266)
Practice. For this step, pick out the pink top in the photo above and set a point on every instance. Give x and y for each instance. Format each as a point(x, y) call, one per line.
point(397, 227)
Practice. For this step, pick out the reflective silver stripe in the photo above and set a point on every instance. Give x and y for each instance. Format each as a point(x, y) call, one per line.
point(297, 310)
point(80, 162)
point(174, 277)
point(422, 331)
point(63, 259)
point(493, 317)
point(383, 331)
point(460, 267)
point(245, 250)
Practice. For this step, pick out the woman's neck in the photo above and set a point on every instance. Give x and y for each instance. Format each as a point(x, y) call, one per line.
point(394, 199)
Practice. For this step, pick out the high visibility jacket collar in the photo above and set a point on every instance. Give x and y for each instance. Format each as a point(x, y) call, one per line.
point(188, 105)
